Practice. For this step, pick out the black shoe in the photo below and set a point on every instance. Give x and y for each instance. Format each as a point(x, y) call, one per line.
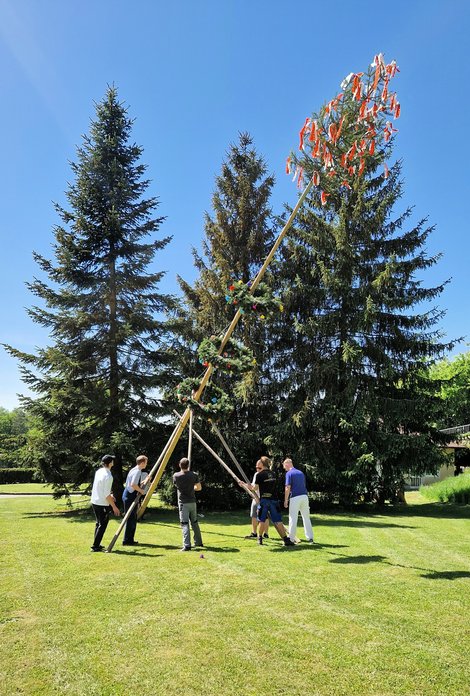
point(96, 550)
point(260, 541)
point(253, 535)
point(265, 535)
point(288, 542)
point(186, 548)
point(130, 543)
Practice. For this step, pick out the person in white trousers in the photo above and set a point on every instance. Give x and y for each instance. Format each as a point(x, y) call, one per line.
point(296, 499)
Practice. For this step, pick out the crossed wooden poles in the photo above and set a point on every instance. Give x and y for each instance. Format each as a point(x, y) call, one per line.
point(158, 469)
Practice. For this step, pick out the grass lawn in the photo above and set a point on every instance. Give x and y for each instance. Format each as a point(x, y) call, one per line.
point(26, 488)
point(380, 605)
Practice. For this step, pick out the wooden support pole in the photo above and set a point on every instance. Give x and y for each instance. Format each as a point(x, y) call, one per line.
point(230, 453)
point(190, 437)
point(207, 375)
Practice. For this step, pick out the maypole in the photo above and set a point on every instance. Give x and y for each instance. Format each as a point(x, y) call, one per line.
point(334, 147)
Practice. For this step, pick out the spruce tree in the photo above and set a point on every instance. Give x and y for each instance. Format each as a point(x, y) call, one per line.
point(354, 403)
point(238, 236)
point(98, 381)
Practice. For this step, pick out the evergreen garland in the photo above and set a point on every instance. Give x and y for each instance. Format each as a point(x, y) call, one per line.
point(263, 302)
point(236, 357)
point(217, 402)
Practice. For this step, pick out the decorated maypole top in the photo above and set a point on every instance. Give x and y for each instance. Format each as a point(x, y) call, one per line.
point(336, 142)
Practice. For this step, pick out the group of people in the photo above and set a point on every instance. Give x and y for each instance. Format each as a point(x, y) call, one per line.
point(103, 501)
point(266, 505)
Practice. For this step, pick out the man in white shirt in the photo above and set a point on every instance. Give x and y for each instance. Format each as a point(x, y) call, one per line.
point(102, 499)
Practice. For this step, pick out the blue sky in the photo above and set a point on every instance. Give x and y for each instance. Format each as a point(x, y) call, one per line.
point(195, 74)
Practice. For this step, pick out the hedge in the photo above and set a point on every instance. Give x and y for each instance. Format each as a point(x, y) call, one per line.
point(18, 475)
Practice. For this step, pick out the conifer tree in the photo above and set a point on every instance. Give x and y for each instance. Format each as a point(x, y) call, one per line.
point(238, 236)
point(97, 382)
point(354, 405)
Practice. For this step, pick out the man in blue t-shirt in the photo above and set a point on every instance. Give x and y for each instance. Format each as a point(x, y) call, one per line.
point(296, 499)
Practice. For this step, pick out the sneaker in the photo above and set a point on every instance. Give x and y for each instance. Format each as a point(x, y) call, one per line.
point(253, 535)
point(186, 548)
point(260, 541)
point(309, 541)
point(288, 542)
point(265, 535)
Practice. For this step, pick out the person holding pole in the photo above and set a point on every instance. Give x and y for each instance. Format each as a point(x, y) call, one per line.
point(187, 483)
point(102, 499)
point(296, 499)
point(132, 489)
point(269, 506)
point(254, 510)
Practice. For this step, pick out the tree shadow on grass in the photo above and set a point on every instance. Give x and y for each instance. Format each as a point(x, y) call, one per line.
point(446, 574)
point(441, 510)
point(359, 559)
point(70, 515)
point(346, 521)
point(427, 573)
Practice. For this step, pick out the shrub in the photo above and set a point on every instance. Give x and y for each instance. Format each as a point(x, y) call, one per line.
point(454, 489)
point(17, 475)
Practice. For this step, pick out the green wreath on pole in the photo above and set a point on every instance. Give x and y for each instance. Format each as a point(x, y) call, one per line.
point(235, 357)
point(214, 401)
point(262, 302)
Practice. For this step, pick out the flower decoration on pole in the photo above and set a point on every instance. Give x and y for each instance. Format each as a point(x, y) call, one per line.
point(235, 358)
point(349, 131)
point(261, 302)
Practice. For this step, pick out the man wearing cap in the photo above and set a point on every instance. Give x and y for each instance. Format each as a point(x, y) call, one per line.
point(102, 499)
point(296, 499)
point(132, 489)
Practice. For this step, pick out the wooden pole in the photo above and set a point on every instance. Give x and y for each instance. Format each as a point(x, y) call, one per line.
point(226, 467)
point(173, 441)
point(190, 437)
point(230, 453)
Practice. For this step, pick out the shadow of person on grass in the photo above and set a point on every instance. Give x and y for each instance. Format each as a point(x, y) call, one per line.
point(132, 553)
point(292, 549)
